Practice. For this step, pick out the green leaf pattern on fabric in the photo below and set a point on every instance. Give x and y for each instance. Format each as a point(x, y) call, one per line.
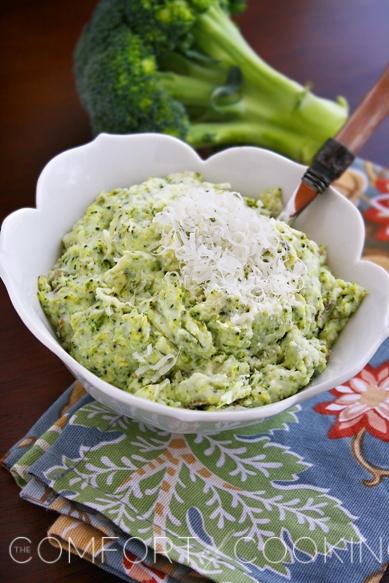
point(20, 470)
point(234, 492)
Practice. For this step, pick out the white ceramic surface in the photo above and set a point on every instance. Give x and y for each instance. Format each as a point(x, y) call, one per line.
point(30, 240)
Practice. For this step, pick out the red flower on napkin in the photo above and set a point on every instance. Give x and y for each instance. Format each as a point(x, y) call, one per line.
point(378, 212)
point(382, 182)
point(361, 403)
point(141, 572)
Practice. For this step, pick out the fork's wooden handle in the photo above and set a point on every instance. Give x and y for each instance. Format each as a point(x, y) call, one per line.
point(368, 115)
point(336, 154)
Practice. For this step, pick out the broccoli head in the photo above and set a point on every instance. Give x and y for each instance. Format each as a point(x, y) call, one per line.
point(121, 77)
point(182, 67)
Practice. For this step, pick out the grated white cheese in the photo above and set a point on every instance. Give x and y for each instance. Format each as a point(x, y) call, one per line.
point(160, 368)
point(222, 244)
point(104, 295)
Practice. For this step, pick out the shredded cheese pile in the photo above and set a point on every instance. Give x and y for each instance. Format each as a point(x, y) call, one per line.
point(222, 244)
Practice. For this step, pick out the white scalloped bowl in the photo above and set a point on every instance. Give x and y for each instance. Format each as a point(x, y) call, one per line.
point(30, 241)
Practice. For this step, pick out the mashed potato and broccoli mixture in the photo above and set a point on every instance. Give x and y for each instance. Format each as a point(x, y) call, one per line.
point(189, 294)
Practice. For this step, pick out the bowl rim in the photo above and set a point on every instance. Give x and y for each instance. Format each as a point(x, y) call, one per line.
point(235, 415)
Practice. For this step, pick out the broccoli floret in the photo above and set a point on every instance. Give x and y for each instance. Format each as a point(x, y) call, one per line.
point(182, 67)
point(121, 90)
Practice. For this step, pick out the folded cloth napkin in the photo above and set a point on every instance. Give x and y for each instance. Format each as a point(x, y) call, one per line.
point(301, 497)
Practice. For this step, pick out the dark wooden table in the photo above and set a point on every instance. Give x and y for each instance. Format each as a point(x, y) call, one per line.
point(340, 47)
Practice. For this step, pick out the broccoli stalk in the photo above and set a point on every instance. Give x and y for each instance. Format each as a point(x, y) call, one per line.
point(272, 109)
point(184, 68)
point(249, 123)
